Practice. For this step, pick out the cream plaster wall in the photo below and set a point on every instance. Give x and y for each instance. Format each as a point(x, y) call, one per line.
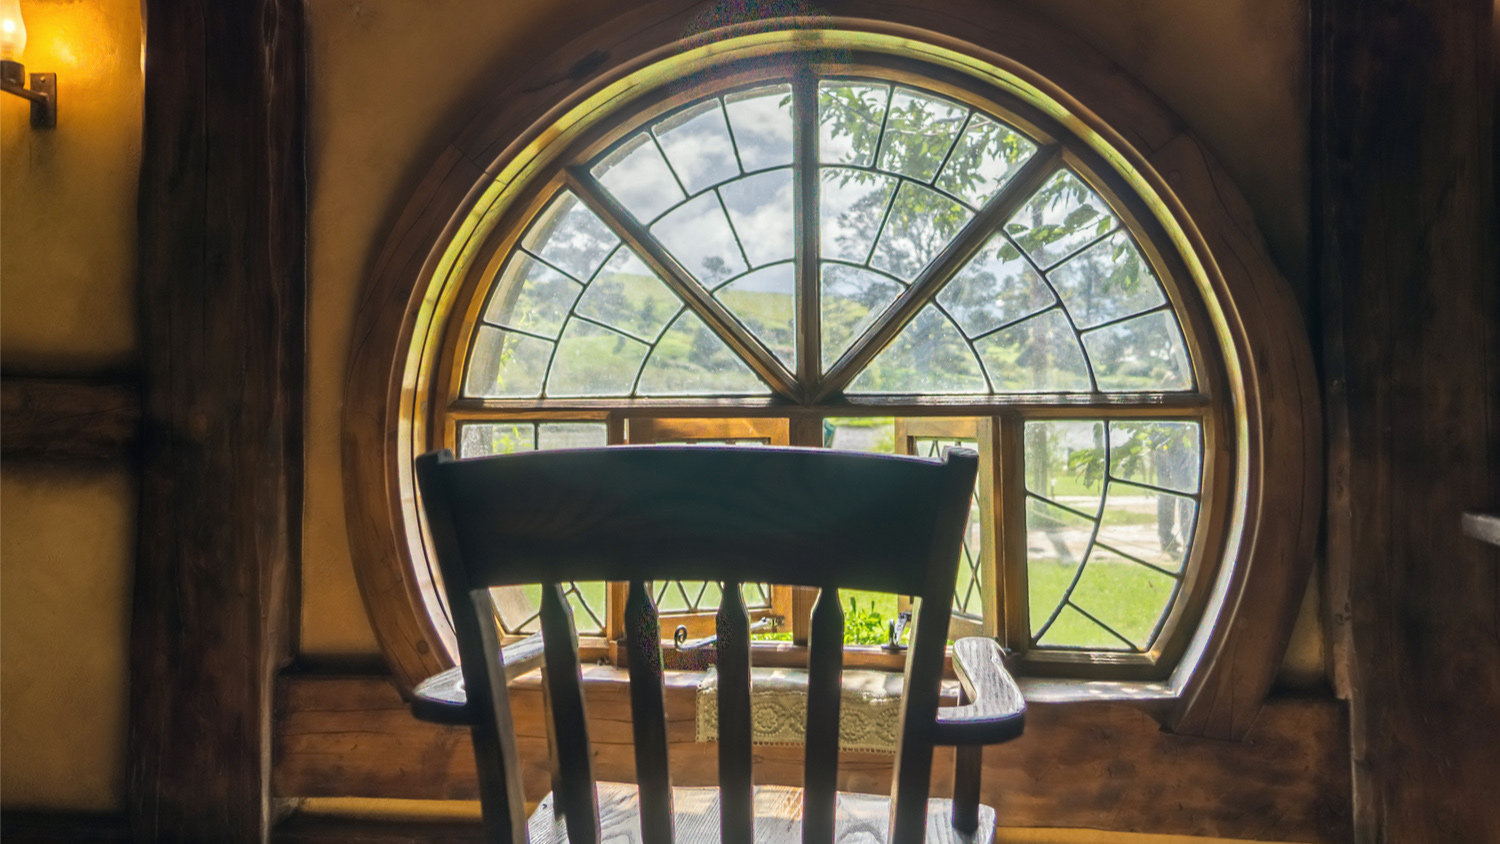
point(388, 82)
point(1232, 69)
point(67, 228)
point(68, 306)
point(67, 539)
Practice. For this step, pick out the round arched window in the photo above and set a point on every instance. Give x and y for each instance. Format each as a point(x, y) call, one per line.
point(846, 242)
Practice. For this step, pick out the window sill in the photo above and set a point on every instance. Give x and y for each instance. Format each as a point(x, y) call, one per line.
point(1153, 696)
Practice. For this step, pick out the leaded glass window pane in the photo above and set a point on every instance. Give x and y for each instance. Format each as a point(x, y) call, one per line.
point(639, 178)
point(994, 289)
point(690, 360)
point(760, 209)
point(1107, 544)
point(850, 118)
point(1037, 355)
point(1140, 353)
point(532, 297)
point(761, 121)
point(852, 299)
point(765, 301)
point(698, 147)
point(968, 589)
point(699, 236)
point(928, 356)
point(988, 154)
point(629, 298)
point(920, 223)
point(516, 609)
point(1063, 216)
point(570, 237)
point(506, 364)
point(1059, 305)
point(919, 132)
point(852, 208)
point(1106, 282)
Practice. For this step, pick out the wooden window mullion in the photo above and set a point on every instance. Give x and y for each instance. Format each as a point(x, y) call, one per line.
point(1010, 596)
point(650, 430)
point(806, 432)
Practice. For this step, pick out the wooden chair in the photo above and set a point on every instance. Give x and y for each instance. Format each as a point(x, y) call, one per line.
point(805, 517)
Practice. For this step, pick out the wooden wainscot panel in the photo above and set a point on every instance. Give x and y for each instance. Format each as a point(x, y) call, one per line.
point(1404, 215)
point(1105, 765)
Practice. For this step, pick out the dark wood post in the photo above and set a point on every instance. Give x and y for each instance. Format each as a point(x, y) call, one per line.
point(223, 289)
point(1404, 215)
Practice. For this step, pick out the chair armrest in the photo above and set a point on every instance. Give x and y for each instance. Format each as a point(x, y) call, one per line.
point(998, 712)
point(441, 698)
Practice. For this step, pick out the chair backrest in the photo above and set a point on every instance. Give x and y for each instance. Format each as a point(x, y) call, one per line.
point(807, 517)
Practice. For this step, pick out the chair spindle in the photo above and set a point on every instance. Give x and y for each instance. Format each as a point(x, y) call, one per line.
point(580, 804)
point(825, 665)
point(648, 714)
point(736, 787)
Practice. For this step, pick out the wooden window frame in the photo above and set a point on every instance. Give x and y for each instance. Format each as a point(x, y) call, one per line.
point(996, 576)
point(666, 429)
point(1056, 152)
point(446, 241)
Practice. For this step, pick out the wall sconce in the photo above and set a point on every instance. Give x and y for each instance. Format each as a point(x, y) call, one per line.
point(43, 91)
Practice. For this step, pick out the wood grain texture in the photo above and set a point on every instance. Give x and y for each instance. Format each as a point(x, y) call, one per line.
point(775, 515)
point(648, 715)
point(397, 601)
point(442, 698)
point(736, 781)
point(995, 711)
point(491, 729)
point(1233, 663)
point(223, 336)
point(806, 190)
point(573, 779)
point(68, 419)
point(825, 663)
point(968, 777)
point(1403, 139)
point(1101, 765)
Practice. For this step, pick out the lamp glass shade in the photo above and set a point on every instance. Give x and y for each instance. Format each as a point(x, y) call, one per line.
point(12, 30)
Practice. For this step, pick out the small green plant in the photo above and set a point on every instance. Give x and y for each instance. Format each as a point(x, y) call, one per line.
point(864, 626)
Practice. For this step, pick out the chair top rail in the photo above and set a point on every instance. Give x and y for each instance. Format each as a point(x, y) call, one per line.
point(806, 517)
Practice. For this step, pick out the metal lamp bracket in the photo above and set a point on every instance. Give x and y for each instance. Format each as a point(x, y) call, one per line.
point(42, 93)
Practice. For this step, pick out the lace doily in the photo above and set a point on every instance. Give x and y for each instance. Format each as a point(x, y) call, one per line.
point(869, 708)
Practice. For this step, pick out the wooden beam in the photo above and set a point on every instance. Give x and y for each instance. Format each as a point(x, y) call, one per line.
point(223, 288)
point(340, 830)
point(1404, 220)
point(56, 419)
point(1103, 765)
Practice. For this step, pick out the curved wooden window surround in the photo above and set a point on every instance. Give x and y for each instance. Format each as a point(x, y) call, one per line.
point(523, 261)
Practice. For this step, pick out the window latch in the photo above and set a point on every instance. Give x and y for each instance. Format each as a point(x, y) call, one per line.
point(898, 627)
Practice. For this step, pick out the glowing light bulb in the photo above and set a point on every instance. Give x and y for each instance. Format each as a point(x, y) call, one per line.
point(12, 30)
